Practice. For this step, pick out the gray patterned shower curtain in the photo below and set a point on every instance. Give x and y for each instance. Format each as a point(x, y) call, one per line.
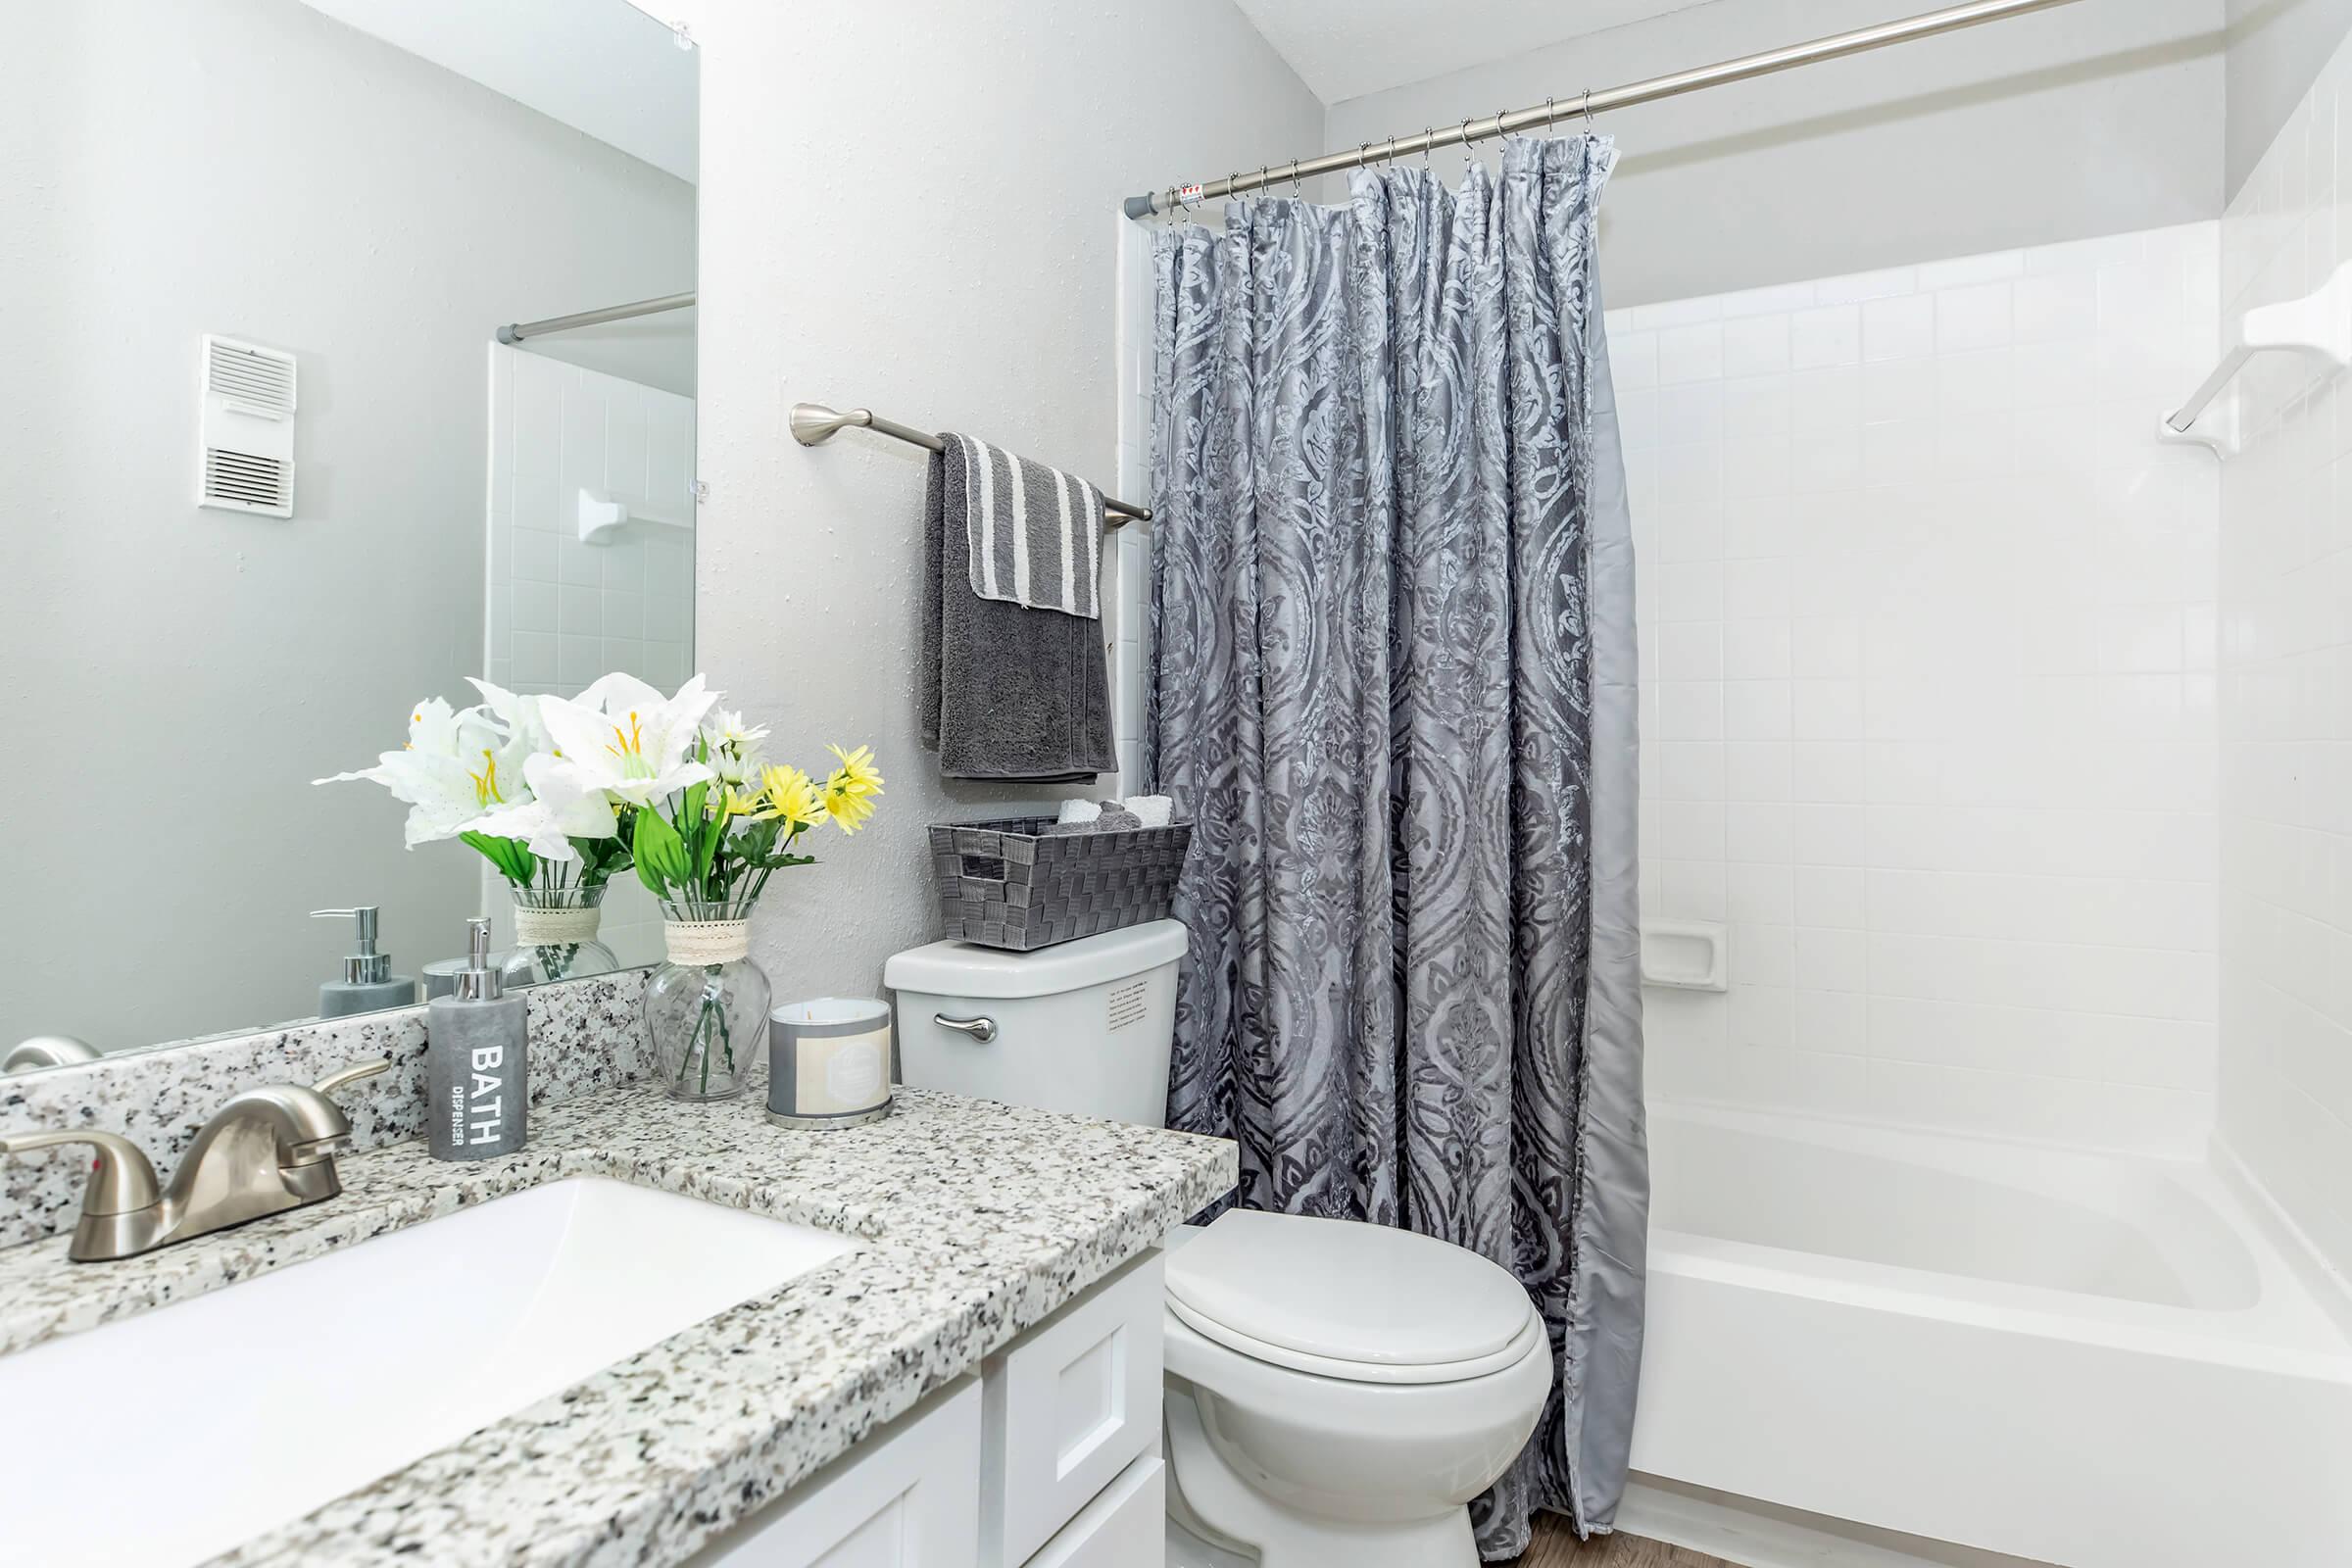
point(1393, 682)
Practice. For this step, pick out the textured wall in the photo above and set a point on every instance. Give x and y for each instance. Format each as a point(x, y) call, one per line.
point(2094, 119)
point(922, 218)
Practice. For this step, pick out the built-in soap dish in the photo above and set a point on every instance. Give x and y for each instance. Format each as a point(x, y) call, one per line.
point(1685, 955)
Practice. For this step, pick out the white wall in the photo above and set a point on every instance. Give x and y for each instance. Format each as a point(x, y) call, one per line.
point(2094, 119)
point(1927, 650)
point(176, 677)
point(2277, 48)
point(2287, 696)
point(920, 218)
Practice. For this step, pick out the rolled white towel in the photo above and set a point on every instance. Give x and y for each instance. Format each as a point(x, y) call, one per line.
point(1151, 811)
point(1093, 817)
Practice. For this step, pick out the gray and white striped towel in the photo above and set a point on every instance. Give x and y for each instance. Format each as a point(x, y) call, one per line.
point(1036, 532)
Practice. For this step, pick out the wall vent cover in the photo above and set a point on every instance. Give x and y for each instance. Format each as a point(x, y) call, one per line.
point(245, 428)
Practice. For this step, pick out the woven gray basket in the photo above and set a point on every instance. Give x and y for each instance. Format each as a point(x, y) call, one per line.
point(1010, 884)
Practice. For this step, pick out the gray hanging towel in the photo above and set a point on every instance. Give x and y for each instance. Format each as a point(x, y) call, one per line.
point(1036, 532)
point(1008, 691)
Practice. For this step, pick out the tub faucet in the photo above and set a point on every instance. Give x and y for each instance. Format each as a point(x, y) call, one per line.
point(269, 1150)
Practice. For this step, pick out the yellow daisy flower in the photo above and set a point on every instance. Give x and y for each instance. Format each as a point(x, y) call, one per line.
point(852, 789)
point(791, 794)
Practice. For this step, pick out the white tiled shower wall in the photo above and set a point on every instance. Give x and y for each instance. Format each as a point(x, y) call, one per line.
point(2286, 694)
point(1928, 666)
point(562, 612)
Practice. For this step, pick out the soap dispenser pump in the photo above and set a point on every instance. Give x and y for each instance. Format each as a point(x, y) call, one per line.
point(369, 984)
point(475, 1061)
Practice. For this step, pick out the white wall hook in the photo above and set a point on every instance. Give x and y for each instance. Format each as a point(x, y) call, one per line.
point(2319, 326)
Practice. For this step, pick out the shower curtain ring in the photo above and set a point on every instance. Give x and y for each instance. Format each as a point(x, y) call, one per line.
point(1588, 108)
point(1500, 116)
point(1294, 176)
point(1429, 143)
point(1551, 116)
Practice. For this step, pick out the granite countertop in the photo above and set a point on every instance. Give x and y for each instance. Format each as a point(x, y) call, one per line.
point(975, 1220)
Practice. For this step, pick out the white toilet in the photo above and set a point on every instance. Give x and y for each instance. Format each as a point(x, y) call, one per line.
point(1337, 1392)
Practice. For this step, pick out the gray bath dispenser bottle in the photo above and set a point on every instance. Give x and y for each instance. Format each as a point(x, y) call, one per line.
point(474, 1061)
point(369, 984)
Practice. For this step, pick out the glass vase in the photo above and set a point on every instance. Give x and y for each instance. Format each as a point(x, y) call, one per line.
point(554, 938)
point(707, 1007)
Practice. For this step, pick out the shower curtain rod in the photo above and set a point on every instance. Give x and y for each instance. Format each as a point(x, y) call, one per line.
point(517, 331)
point(1588, 103)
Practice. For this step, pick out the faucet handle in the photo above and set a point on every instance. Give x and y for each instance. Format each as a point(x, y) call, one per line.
point(345, 1077)
point(120, 1182)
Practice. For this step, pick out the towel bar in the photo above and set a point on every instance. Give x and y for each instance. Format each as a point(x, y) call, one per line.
point(813, 422)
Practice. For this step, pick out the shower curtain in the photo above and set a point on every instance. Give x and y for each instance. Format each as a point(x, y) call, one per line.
point(1391, 681)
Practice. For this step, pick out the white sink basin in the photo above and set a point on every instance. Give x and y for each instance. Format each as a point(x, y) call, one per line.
point(172, 1435)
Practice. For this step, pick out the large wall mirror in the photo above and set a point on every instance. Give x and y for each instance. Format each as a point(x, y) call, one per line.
point(276, 482)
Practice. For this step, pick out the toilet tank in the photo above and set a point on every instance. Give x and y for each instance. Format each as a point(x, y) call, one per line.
point(1082, 1026)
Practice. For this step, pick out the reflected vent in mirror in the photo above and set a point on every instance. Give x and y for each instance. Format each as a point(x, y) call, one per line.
point(245, 436)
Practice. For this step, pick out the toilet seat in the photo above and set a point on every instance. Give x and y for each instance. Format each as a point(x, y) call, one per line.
point(1515, 1350)
point(1340, 1299)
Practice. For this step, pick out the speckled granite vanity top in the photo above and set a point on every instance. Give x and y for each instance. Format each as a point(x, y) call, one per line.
point(975, 1220)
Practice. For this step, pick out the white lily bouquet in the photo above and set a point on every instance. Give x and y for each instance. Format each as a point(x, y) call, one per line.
point(563, 794)
point(490, 775)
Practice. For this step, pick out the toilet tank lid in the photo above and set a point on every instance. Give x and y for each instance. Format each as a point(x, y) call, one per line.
point(966, 969)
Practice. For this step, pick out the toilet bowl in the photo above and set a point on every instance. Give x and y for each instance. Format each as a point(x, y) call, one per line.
point(1337, 1392)
point(1285, 1480)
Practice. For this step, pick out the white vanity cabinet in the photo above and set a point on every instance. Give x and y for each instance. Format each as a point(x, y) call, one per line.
point(1066, 1409)
point(1048, 1459)
point(904, 1498)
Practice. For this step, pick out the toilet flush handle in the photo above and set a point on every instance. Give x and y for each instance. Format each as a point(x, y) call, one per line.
point(982, 1029)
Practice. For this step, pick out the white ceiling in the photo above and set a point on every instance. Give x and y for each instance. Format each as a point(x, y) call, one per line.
point(1347, 48)
point(602, 66)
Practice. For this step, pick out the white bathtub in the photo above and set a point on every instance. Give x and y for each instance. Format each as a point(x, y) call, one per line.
point(2092, 1361)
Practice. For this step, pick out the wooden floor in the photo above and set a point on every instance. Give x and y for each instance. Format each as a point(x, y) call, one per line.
point(1555, 1547)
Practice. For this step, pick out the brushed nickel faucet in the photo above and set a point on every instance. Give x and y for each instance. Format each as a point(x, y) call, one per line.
point(269, 1150)
point(46, 1050)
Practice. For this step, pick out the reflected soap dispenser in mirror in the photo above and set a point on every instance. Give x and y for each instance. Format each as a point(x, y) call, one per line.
point(369, 984)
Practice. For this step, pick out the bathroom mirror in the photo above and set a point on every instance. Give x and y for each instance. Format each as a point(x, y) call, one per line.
point(274, 480)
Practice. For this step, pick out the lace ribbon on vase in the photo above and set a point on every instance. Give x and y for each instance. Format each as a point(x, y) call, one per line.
point(702, 942)
point(555, 928)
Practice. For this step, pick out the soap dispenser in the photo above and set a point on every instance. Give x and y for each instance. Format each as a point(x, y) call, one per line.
point(475, 1051)
point(369, 984)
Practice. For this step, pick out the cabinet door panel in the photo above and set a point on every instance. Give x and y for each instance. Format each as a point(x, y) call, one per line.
point(1124, 1527)
point(1069, 1406)
point(909, 1499)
